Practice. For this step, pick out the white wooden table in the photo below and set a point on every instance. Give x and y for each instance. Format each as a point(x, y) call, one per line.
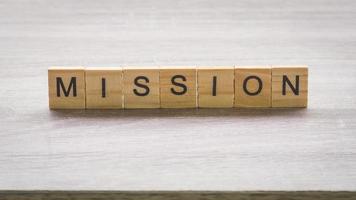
point(206, 149)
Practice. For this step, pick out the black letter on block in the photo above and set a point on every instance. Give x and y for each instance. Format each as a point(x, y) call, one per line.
point(214, 85)
point(147, 89)
point(103, 87)
point(259, 85)
point(294, 89)
point(179, 84)
point(72, 84)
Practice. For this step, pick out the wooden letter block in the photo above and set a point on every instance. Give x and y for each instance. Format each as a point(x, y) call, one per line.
point(178, 87)
point(103, 88)
point(289, 86)
point(66, 87)
point(141, 87)
point(215, 87)
point(253, 86)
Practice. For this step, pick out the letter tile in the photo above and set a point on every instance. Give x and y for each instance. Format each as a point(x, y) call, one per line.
point(178, 87)
point(290, 86)
point(216, 87)
point(141, 87)
point(66, 87)
point(253, 86)
point(103, 87)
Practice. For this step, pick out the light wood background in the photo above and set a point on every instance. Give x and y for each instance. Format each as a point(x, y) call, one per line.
point(206, 149)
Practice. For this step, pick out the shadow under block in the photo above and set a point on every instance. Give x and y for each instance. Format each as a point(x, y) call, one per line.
point(141, 87)
point(103, 88)
point(289, 86)
point(66, 87)
point(178, 87)
point(215, 87)
point(253, 87)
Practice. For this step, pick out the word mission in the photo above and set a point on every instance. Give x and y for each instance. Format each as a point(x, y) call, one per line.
point(177, 87)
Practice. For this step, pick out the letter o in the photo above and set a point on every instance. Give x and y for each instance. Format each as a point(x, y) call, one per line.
point(260, 85)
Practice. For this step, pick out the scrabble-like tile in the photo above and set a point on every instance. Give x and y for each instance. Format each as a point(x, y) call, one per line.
point(141, 87)
point(178, 87)
point(289, 86)
point(216, 87)
point(66, 87)
point(253, 86)
point(103, 87)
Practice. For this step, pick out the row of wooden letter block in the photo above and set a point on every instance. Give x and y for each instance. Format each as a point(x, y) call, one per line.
point(177, 87)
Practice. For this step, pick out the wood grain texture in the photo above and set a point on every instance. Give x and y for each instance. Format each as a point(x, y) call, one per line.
point(253, 87)
point(147, 77)
point(222, 94)
point(170, 149)
point(109, 97)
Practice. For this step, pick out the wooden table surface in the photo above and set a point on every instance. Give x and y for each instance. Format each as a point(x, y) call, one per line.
point(206, 149)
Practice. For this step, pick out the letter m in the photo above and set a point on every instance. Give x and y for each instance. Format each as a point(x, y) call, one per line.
point(72, 84)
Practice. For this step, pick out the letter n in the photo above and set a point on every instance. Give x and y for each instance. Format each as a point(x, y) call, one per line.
point(295, 89)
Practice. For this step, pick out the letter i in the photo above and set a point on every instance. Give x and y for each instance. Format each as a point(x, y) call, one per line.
point(103, 87)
